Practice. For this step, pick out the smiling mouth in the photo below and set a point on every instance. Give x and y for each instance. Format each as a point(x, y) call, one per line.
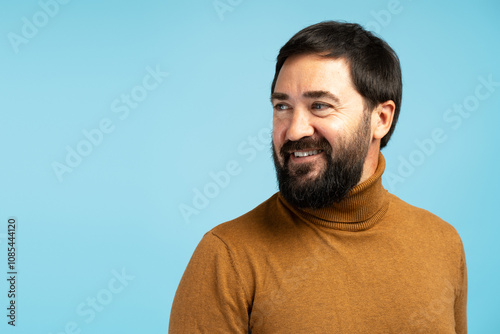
point(306, 153)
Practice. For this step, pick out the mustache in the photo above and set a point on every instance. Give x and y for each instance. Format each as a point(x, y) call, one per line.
point(304, 144)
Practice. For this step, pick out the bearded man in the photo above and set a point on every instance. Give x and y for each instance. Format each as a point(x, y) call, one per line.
point(332, 251)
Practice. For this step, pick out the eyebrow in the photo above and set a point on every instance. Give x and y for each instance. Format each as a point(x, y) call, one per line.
point(279, 96)
point(314, 94)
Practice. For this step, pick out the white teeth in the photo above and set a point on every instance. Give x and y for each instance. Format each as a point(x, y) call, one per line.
point(306, 154)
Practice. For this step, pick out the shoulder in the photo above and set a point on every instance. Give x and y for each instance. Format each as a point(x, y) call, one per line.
point(256, 224)
point(244, 241)
point(269, 228)
point(421, 221)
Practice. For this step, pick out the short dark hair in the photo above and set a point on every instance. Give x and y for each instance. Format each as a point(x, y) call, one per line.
point(375, 68)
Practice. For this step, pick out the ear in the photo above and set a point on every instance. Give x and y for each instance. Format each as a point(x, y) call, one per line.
point(382, 119)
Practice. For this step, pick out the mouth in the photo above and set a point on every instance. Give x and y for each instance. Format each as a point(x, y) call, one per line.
point(303, 154)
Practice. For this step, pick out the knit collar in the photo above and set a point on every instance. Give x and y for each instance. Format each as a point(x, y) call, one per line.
point(360, 210)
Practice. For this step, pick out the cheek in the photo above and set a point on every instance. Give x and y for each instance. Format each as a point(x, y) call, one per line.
point(279, 132)
point(277, 142)
point(331, 131)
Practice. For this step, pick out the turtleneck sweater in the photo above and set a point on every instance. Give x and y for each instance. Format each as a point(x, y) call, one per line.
point(368, 264)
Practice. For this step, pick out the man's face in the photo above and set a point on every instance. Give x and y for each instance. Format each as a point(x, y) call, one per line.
point(321, 131)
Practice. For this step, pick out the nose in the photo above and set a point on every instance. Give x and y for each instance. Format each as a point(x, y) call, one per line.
point(300, 125)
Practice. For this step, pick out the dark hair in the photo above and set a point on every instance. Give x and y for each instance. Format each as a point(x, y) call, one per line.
point(375, 68)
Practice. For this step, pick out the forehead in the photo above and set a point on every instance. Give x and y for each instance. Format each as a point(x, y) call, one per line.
point(312, 72)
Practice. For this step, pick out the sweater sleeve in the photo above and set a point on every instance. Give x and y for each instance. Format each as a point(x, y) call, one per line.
point(461, 298)
point(210, 297)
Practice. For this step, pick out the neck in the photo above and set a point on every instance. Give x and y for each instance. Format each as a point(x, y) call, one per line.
point(371, 162)
point(360, 210)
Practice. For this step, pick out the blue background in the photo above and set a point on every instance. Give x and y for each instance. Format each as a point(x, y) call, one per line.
point(120, 209)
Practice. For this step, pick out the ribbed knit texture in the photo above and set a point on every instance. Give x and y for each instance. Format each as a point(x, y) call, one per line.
point(369, 264)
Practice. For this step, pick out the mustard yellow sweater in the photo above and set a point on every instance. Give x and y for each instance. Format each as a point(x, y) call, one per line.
point(370, 264)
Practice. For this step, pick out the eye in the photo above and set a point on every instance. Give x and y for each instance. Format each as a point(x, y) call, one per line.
point(320, 106)
point(281, 107)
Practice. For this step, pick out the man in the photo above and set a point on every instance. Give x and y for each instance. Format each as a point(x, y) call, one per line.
point(332, 251)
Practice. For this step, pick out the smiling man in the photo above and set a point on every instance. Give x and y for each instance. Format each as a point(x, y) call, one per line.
point(323, 131)
point(332, 251)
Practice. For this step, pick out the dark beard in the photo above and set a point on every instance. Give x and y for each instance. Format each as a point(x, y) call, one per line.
point(342, 172)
